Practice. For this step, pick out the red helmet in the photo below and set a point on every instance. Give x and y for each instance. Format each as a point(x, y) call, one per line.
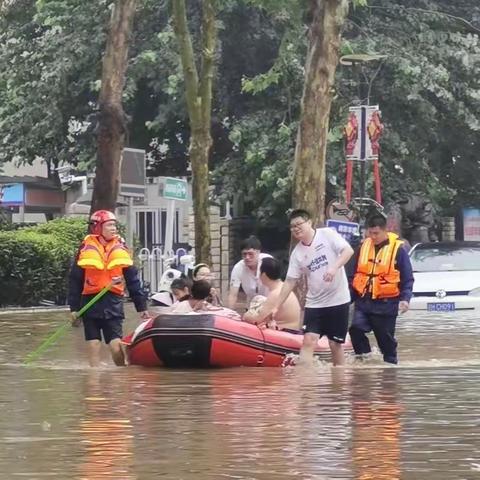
point(98, 218)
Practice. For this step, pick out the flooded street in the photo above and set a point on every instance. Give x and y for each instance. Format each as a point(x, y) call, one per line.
point(420, 420)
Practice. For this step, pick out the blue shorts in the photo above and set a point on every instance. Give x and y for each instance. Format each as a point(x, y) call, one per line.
point(329, 321)
point(111, 328)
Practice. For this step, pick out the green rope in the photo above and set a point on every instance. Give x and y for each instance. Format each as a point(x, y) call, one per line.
point(63, 328)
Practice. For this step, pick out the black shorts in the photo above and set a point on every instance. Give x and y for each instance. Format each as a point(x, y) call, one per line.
point(329, 321)
point(111, 328)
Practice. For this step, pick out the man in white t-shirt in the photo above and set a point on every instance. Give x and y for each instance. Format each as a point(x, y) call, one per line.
point(320, 254)
point(246, 272)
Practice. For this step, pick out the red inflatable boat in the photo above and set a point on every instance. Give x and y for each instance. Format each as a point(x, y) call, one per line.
point(204, 340)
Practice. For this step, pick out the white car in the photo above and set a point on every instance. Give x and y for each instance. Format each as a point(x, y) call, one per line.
point(447, 276)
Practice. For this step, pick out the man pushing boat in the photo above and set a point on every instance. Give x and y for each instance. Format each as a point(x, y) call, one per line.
point(320, 254)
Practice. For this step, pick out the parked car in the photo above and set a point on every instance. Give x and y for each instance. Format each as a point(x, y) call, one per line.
point(447, 276)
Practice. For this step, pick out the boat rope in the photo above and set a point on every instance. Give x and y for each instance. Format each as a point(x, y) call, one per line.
point(261, 357)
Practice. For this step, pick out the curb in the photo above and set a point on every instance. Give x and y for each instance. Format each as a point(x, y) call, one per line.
point(25, 310)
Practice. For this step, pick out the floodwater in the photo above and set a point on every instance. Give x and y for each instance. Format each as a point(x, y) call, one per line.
point(420, 420)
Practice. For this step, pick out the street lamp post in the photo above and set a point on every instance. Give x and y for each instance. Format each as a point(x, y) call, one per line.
point(363, 130)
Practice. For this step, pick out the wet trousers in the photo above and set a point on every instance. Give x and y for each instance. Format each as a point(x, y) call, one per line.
point(383, 326)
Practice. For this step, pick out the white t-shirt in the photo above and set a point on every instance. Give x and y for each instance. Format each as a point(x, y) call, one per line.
point(250, 281)
point(313, 260)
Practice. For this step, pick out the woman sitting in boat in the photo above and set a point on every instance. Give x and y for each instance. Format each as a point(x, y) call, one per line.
point(164, 296)
point(197, 302)
point(202, 271)
point(261, 308)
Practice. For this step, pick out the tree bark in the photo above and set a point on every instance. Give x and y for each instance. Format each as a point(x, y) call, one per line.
point(327, 16)
point(198, 95)
point(112, 127)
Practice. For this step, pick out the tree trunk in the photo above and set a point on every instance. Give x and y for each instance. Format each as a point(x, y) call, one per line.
point(199, 154)
point(198, 94)
point(112, 126)
point(327, 16)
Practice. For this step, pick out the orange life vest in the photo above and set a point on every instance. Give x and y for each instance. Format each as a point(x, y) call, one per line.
point(376, 273)
point(102, 263)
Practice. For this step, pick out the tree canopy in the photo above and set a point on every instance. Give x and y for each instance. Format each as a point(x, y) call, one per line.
point(427, 86)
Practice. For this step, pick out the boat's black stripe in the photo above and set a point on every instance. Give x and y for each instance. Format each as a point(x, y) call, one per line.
point(225, 334)
point(221, 335)
point(216, 333)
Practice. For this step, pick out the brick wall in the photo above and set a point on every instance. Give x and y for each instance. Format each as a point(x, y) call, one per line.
point(220, 252)
point(448, 228)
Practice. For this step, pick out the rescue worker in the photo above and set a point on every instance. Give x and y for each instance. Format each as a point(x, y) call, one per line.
point(103, 260)
point(381, 286)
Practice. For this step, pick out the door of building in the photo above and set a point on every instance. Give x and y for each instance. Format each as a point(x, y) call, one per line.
point(150, 226)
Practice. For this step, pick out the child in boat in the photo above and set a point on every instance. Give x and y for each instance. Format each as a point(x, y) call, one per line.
point(198, 303)
point(178, 290)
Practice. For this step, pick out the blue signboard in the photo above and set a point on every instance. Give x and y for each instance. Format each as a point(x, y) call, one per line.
point(346, 229)
point(12, 194)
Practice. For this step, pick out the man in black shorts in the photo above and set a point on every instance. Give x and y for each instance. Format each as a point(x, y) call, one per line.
point(320, 254)
point(104, 261)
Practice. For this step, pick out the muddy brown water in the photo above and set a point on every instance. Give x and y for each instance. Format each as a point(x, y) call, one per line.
point(59, 419)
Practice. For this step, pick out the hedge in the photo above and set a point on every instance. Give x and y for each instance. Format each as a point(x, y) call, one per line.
point(34, 261)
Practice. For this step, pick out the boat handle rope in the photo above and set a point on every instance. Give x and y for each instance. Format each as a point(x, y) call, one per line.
point(261, 357)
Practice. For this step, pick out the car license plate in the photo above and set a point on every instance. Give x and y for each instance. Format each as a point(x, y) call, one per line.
point(441, 307)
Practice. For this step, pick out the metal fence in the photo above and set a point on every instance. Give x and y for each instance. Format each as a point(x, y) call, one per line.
point(155, 266)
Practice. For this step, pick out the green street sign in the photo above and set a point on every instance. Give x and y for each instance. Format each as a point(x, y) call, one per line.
point(175, 189)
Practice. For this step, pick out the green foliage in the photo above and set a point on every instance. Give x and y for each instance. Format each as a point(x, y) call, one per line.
point(428, 92)
point(34, 261)
point(261, 82)
point(6, 224)
point(427, 88)
point(68, 230)
point(262, 157)
point(53, 52)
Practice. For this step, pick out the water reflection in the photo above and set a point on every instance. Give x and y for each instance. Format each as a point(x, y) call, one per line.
point(105, 431)
point(376, 425)
point(300, 423)
point(451, 339)
point(419, 420)
point(251, 424)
